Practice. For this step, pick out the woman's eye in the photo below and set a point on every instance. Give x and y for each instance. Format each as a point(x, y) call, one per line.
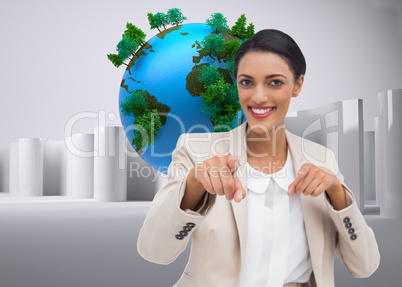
point(276, 83)
point(244, 82)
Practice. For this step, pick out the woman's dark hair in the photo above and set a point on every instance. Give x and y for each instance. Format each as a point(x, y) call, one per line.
point(275, 41)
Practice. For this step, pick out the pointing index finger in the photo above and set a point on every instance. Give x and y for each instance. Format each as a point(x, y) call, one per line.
point(303, 170)
point(300, 174)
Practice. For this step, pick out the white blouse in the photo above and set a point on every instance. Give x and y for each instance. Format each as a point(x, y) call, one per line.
point(276, 250)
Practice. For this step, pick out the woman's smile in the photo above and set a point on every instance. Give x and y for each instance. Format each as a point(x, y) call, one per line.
point(260, 112)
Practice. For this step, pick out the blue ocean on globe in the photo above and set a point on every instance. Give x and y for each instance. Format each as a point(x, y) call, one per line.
point(162, 71)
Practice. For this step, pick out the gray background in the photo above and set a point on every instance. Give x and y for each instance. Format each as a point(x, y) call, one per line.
point(94, 244)
point(53, 61)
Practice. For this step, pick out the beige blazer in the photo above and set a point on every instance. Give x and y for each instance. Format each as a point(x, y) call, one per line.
point(219, 228)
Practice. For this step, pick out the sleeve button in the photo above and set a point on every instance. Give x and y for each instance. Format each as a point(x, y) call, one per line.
point(186, 228)
point(183, 233)
point(191, 225)
point(346, 220)
point(353, 236)
point(180, 237)
point(351, 231)
point(348, 225)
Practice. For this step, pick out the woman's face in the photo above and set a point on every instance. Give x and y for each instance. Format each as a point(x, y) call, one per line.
point(265, 85)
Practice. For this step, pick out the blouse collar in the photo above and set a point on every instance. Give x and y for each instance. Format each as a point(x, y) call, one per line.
point(258, 181)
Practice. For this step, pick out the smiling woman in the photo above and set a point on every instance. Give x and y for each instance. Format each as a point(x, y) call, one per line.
point(259, 211)
point(269, 71)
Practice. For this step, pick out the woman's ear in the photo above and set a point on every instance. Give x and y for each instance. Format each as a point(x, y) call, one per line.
point(298, 86)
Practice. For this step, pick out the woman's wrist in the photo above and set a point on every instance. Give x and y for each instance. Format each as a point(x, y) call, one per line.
point(337, 196)
point(193, 193)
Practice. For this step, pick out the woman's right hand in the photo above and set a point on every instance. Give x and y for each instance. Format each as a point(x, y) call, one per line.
point(218, 176)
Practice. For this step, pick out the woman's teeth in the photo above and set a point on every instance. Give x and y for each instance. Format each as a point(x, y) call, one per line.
point(261, 111)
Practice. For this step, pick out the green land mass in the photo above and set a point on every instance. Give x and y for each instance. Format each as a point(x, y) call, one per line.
point(198, 45)
point(139, 53)
point(123, 85)
point(163, 109)
point(133, 79)
point(194, 87)
point(153, 103)
point(202, 53)
point(162, 35)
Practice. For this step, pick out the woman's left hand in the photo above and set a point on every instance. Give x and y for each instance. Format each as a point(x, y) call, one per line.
point(312, 180)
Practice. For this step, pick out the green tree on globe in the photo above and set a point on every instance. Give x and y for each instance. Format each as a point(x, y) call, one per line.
point(218, 22)
point(175, 16)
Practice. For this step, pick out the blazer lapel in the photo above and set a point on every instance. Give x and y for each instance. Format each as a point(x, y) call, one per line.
point(312, 210)
point(238, 148)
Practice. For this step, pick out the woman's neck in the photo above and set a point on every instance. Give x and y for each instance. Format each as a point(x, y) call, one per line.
point(271, 145)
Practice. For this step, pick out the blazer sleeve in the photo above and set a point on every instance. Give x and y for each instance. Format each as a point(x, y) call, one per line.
point(167, 228)
point(356, 244)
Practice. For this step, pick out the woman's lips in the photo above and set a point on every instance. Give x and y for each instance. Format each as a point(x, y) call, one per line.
point(264, 115)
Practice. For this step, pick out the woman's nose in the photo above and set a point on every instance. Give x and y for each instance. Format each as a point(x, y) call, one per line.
point(260, 95)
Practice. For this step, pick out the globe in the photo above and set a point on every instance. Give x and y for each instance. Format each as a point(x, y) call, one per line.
point(161, 69)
